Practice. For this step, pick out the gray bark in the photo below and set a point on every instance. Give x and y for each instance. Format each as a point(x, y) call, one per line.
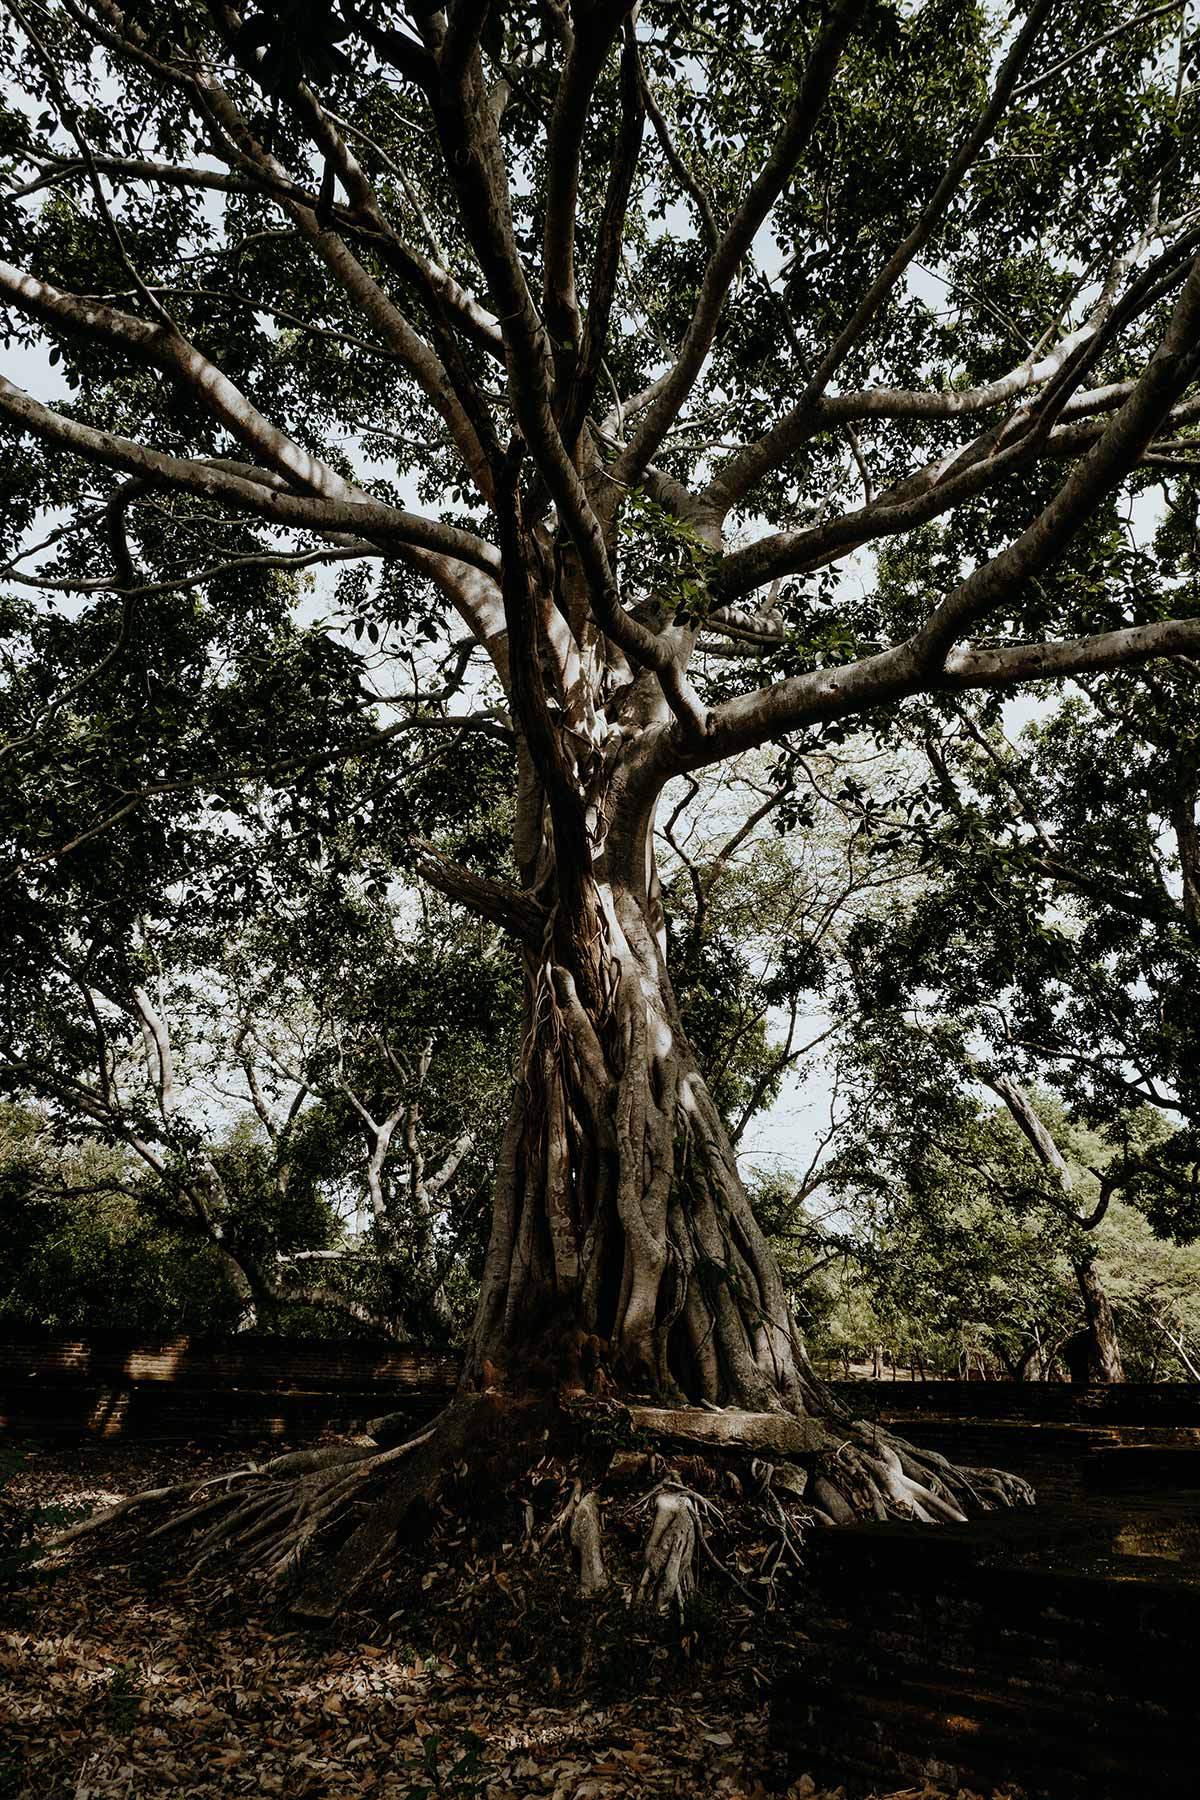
point(1099, 1356)
point(624, 1250)
point(1103, 1349)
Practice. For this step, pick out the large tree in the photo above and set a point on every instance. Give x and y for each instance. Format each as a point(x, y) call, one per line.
point(602, 343)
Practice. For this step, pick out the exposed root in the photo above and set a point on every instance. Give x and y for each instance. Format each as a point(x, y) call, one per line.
point(869, 1473)
point(729, 1426)
point(672, 1551)
point(585, 1541)
point(427, 1456)
point(260, 1520)
point(322, 1522)
point(334, 1457)
point(670, 1554)
point(561, 1522)
point(790, 1483)
point(110, 1515)
point(829, 1500)
point(860, 1471)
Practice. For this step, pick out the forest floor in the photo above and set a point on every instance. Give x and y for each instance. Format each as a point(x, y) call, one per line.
point(459, 1682)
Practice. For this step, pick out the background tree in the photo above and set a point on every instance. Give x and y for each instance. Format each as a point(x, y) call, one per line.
point(1053, 944)
point(83, 1251)
point(974, 1225)
point(954, 1256)
point(292, 1100)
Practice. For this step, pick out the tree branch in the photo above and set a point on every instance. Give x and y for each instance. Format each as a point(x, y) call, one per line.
point(728, 253)
point(211, 481)
point(1170, 371)
point(596, 30)
point(606, 261)
point(753, 719)
point(736, 479)
point(677, 166)
point(514, 912)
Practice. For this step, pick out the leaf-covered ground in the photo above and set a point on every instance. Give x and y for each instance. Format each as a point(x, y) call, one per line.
point(131, 1685)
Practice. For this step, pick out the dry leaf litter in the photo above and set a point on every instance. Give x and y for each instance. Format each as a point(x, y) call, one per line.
point(119, 1686)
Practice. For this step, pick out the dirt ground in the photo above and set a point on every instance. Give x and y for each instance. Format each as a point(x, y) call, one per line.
point(130, 1685)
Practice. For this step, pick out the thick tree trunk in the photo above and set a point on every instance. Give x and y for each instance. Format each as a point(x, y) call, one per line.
point(624, 1251)
point(624, 1262)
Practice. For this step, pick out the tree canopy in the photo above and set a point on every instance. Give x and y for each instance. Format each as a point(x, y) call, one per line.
point(742, 313)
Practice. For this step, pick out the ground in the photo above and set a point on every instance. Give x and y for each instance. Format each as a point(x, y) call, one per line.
point(129, 1685)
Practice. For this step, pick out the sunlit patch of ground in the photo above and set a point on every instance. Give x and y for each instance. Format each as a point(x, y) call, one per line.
point(111, 1689)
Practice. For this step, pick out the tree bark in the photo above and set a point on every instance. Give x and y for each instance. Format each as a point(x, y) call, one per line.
point(1103, 1361)
point(1095, 1356)
point(624, 1252)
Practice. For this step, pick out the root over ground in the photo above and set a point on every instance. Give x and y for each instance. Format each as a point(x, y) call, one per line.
point(461, 1673)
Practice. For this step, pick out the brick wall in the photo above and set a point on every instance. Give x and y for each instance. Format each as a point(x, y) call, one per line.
point(1059, 1437)
point(1038, 1402)
point(124, 1384)
point(1050, 1652)
point(121, 1384)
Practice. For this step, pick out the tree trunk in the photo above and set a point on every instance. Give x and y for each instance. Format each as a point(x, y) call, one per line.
point(1026, 1364)
point(1103, 1350)
point(242, 1285)
point(624, 1253)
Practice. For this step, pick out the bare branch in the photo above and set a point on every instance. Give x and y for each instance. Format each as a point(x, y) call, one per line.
point(596, 30)
point(677, 166)
point(210, 481)
point(754, 719)
point(504, 906)
point(734, 244)
point(1170, 371)
point(159, 1061)
point(1106, 37)
point(606, 262)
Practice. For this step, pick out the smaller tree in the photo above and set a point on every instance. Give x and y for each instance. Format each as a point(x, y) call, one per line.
point(395, 1018)
point(1005, 1222)
point(85, 1251)
point(314, 1102)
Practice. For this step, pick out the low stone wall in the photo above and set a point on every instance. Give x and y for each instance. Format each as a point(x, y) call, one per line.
point(1034, 1402)
point(1040, 1650)
point(120, 1384)
point(1047, 1653)
point(1063, 1439)
point(254, 1385)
